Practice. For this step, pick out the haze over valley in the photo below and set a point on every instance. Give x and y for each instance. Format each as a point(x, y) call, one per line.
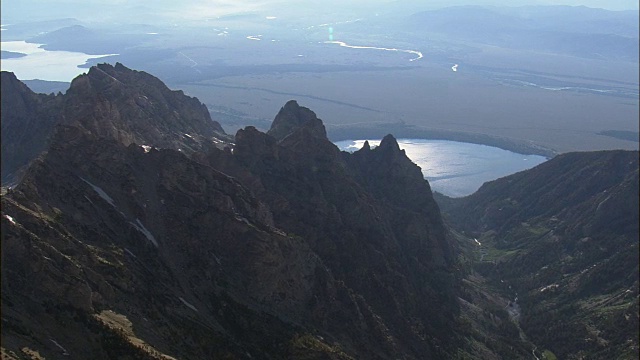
point(550, 79)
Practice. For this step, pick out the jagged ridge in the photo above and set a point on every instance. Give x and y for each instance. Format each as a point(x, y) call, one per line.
point(110, 101)
point(284, 247)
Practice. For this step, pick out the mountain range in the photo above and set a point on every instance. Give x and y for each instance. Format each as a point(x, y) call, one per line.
point(577, 31)
point(134, 227)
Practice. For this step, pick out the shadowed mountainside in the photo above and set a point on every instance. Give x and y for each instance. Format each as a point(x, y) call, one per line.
point(278, 249)
point(562, 238)
point(110, 101)
point(27, 120)
point(139, 230)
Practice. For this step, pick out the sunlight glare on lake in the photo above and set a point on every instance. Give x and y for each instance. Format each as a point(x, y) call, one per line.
point(456, 168)
point(44, 64)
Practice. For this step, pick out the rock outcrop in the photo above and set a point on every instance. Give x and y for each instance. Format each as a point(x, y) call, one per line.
point(372, 220)
point(284, 247)
point(135, 107)
point(292, 117)
point(138, 230)
point(28, 120)
point(109, 101)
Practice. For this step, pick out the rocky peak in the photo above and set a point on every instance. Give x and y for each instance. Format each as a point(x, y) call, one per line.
point(251, 144)
point(285, 235)
point(109, 101)
point(388, 148)
point(27, 120)
point(388, 160)
point(17, 97)
point(388, 173)
point(11, 85)
point(389, 143)
point(20, 101)
point(135, 107)
point(293, 116)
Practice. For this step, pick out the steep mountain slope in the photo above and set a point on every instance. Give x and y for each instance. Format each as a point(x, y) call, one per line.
point(281, 248)
point(133, 106)
point(391, 248)
point(563, 238)
point(141, 231)
point(27, 120)
point(110, 101)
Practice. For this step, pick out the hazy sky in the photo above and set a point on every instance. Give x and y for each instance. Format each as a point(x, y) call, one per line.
point(100, 10)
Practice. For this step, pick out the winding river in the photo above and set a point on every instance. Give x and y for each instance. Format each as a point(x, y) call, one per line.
point(343, 44)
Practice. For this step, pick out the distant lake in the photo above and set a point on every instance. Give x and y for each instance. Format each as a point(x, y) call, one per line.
point(38, 63)
point(454, 168)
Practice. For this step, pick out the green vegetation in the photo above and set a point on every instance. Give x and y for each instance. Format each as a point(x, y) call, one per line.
point(307, 346)
point(567, 245)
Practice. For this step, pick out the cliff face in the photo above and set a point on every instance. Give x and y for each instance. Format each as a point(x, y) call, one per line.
point(109, 101)
point(282, 248)
point(291, 117)
point(135, 107)
point(357, 212)
point(27, 121)
point(139, 230)
point(176, 247)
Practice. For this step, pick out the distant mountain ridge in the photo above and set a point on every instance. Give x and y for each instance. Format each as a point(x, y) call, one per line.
point(577, 31)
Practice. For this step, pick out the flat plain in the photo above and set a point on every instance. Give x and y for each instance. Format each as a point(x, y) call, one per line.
point(540, 89)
